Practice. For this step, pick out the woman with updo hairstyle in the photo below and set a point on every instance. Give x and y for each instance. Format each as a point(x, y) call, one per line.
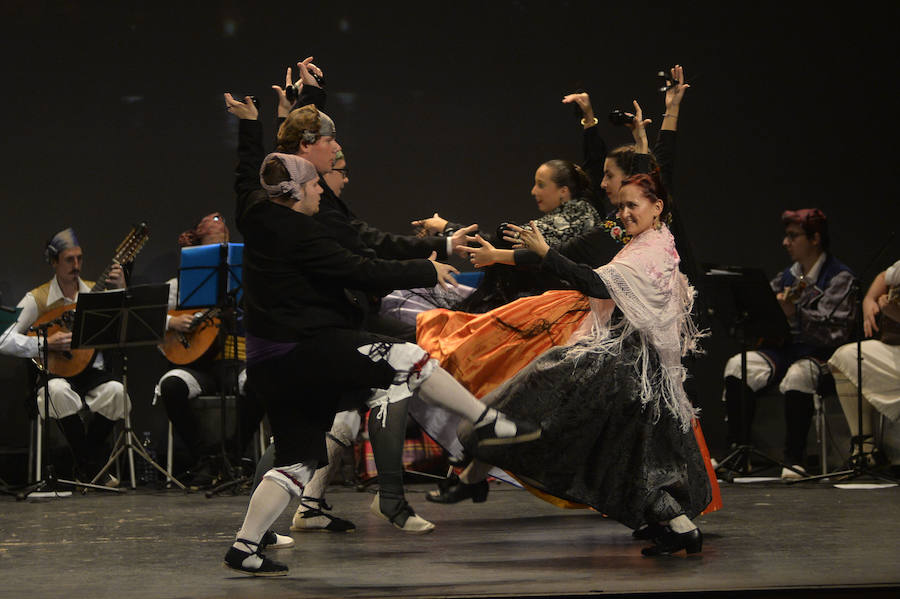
point(561, 189)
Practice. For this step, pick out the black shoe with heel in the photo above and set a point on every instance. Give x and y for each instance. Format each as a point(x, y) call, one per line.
point(648, 532)
point(672, 542)
point(453, 490)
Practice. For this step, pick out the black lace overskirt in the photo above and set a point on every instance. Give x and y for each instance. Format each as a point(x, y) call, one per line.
point(599, 446)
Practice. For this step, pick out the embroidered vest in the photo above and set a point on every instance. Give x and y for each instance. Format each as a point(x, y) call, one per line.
point(41, 295)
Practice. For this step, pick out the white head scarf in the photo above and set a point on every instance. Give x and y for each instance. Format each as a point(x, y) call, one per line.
point(300, 169)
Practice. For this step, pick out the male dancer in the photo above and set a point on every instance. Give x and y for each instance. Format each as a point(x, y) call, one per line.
point(308, 136)
point(303, 331)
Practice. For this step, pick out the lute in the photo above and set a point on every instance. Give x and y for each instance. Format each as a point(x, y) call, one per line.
point(185, 347)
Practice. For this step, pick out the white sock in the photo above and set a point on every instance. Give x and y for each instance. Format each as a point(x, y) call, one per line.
point(316, 486)
point(267, 503)
point(681, 524)
point(441, 389)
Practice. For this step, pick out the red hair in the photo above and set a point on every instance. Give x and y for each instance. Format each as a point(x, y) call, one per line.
point(651, 188)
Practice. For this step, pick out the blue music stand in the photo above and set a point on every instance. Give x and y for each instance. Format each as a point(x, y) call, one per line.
point(209, 274)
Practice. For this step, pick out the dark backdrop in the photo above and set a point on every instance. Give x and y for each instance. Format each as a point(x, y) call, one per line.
point(114, 115)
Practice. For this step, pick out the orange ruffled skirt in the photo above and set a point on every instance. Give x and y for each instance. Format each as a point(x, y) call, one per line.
point(483, 350)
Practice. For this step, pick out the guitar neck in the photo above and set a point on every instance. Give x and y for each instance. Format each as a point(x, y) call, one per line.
point(101, 284)
point(125, 253)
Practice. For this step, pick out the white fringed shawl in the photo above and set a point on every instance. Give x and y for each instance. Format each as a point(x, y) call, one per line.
point(656, 299)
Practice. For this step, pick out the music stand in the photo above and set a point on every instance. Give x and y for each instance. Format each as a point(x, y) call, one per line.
point(210, 276)
point(118, 320)
point(741, 299)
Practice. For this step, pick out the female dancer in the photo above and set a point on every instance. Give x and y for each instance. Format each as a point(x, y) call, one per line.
point(616, 421)
point(563, 193)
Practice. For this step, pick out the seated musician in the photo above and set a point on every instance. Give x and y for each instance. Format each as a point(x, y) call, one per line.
point(94, 387)
point(880, 365)
point(814, 294)
point(207, 372)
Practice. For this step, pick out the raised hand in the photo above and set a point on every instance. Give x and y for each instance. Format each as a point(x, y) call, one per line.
point(676, 92)
point(583, 100)
point(242, 110)
point(444, 272)
point(638, 129)
point(284, 105)
point(307, 72)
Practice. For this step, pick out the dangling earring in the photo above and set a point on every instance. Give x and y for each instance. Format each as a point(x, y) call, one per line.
point(657, 224)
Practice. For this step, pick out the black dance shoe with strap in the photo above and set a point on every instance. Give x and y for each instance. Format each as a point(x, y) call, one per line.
point(670, 542)
point(402, 516)
point(234, 560)
point(453, 490)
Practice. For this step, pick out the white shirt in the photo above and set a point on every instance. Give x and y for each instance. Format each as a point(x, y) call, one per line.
point(14, 341)
point(892, 275)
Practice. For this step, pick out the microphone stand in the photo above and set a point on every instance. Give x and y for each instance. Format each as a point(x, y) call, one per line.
point(858, 464)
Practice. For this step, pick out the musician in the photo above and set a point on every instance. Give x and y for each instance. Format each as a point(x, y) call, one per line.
point(95, 388)
point(880, 367)
point(205, 375)
point(814, 294)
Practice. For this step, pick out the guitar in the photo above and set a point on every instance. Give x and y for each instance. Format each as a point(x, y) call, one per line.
point(71, 362)
point(188, 346)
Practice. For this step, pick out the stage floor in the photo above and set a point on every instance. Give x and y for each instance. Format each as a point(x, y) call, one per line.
point(168, 544)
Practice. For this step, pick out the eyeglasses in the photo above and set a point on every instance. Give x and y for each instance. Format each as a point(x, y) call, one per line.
point(344, 171)
point(792, 235)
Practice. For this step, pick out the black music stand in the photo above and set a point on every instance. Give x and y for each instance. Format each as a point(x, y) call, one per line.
point(741, 300)
point(118, 320)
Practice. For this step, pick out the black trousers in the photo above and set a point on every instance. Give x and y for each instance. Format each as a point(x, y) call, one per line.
point(303, 389)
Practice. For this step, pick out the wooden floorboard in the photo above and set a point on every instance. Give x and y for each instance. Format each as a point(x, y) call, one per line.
point(771, 537)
